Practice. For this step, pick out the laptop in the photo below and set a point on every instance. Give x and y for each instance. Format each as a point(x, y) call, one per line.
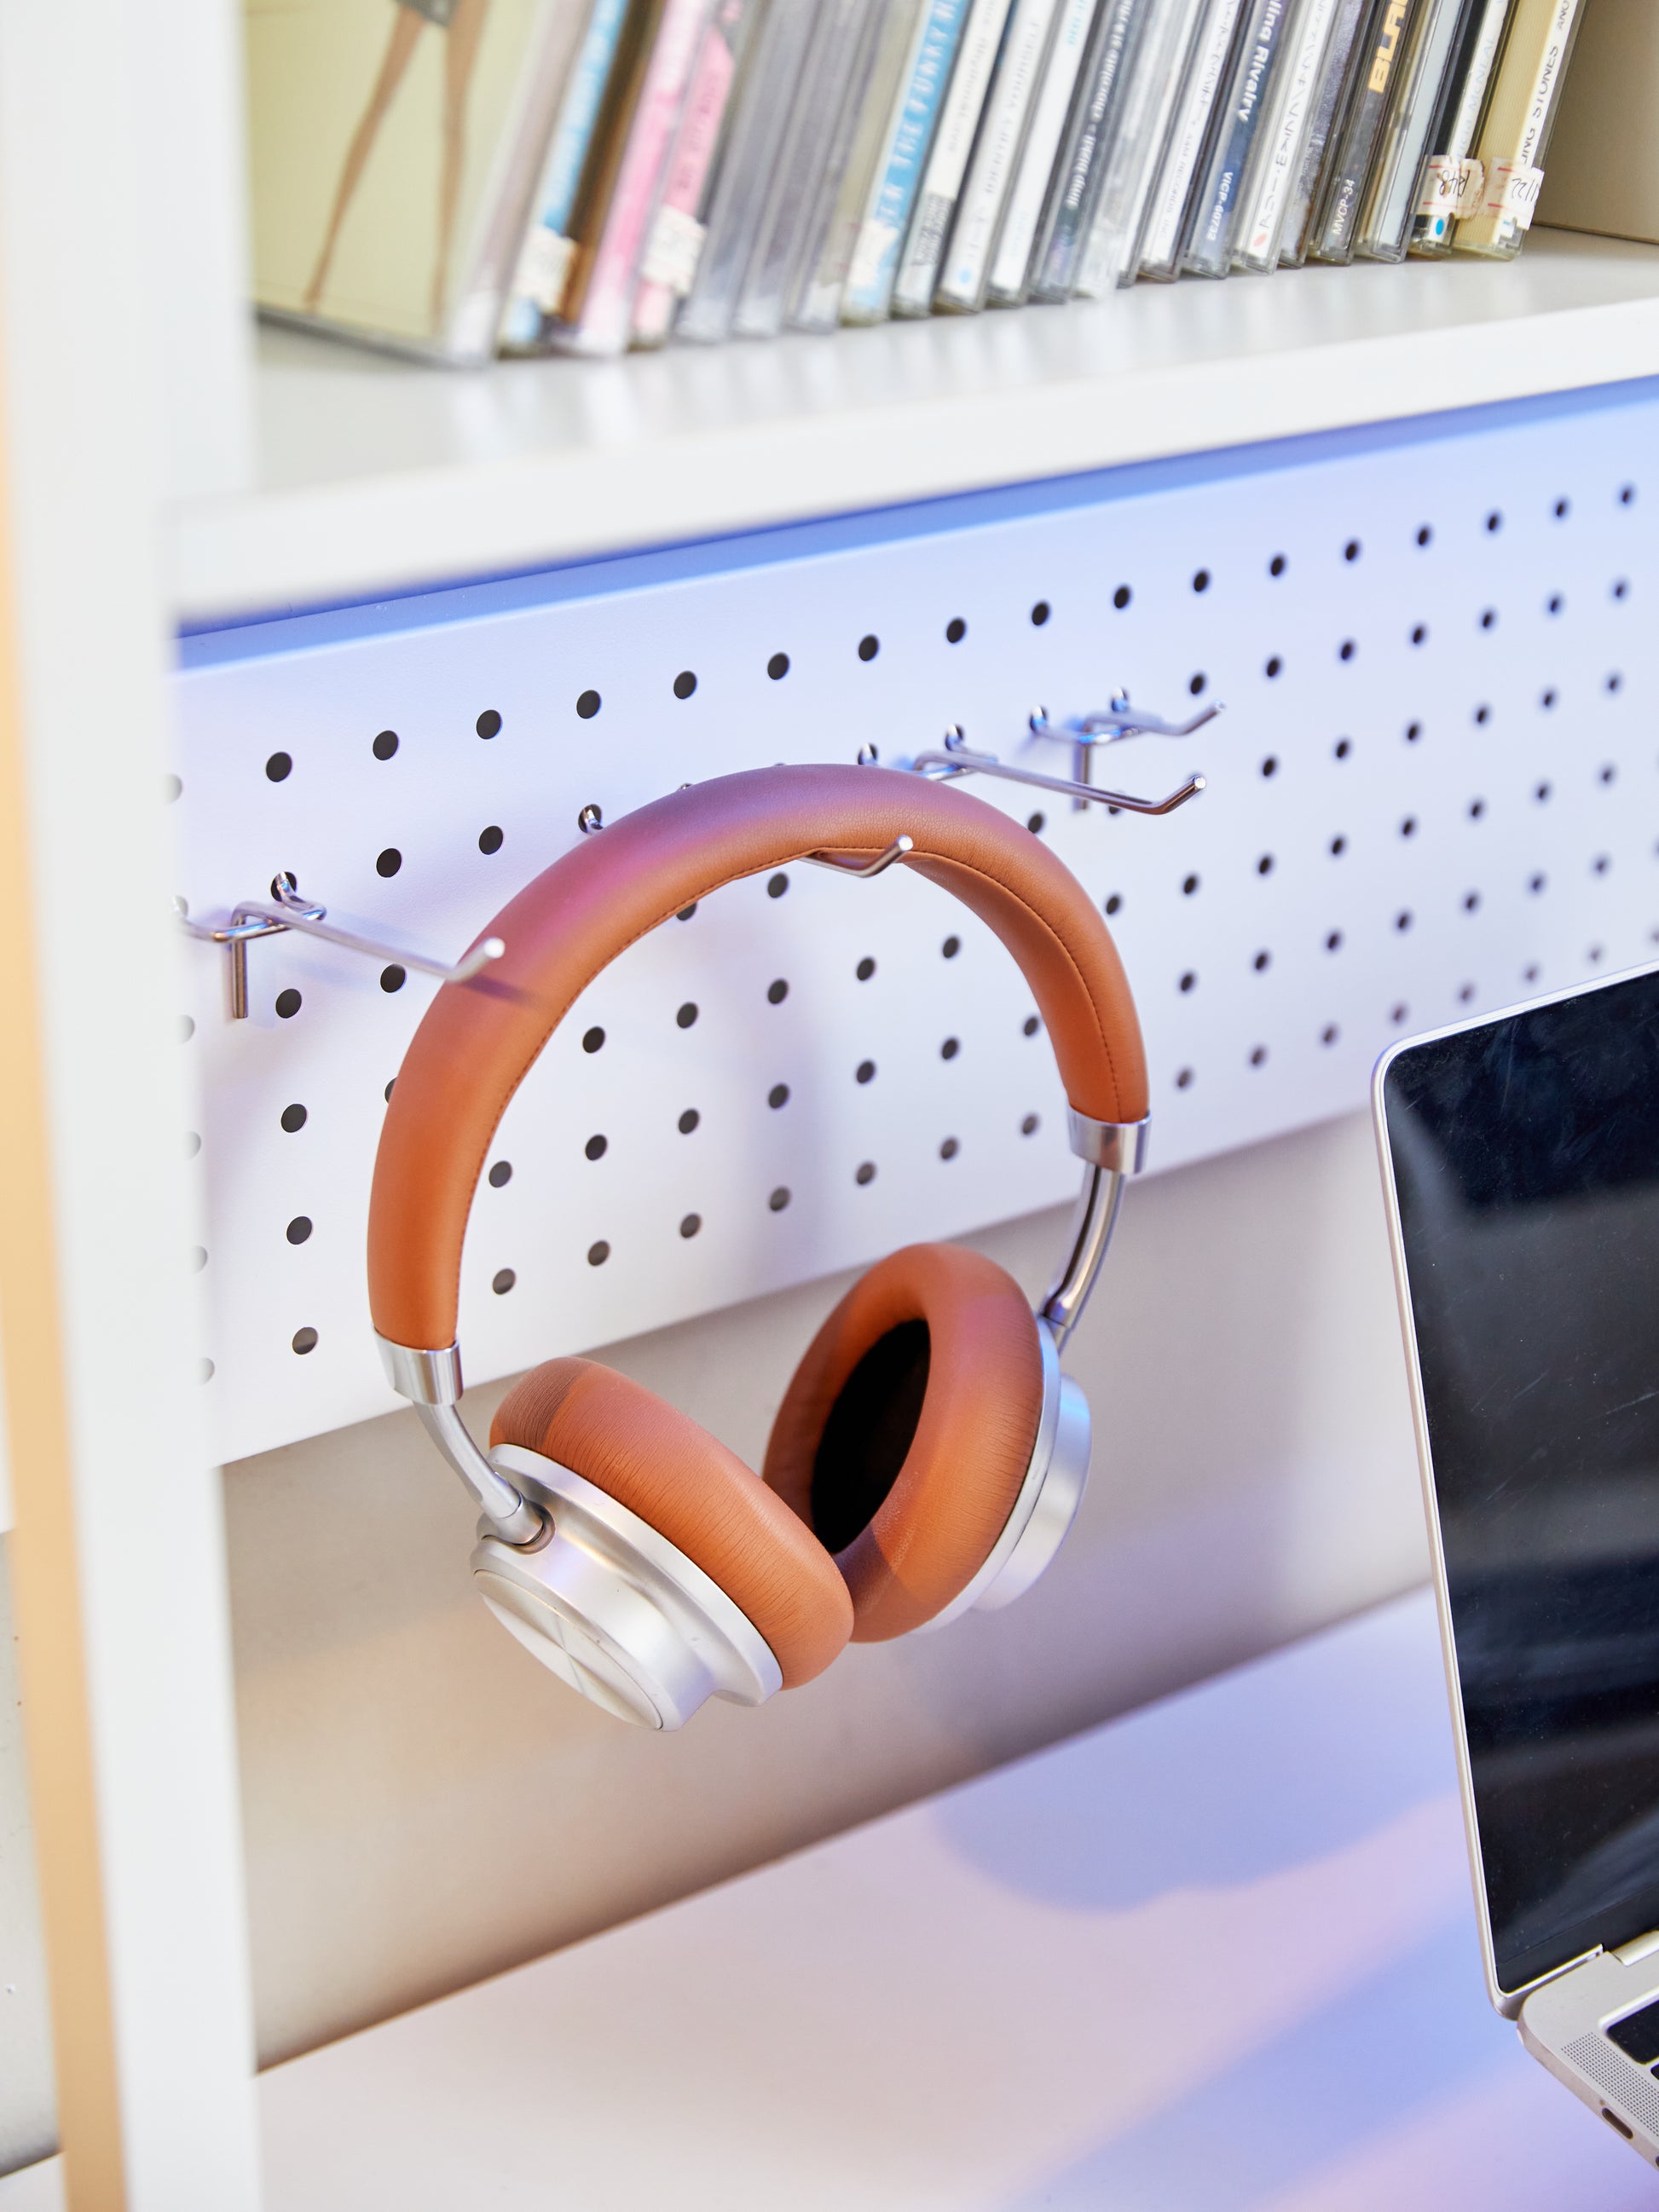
point(1520, 1163)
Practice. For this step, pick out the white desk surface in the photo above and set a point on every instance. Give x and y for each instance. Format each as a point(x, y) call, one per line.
point(1218, 1956)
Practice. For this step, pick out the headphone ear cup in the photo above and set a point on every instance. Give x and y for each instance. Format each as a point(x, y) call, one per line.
point(664, 1467)
point(907, 1433)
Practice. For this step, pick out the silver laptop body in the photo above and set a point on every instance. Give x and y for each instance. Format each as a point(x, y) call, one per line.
point(1520, 1159)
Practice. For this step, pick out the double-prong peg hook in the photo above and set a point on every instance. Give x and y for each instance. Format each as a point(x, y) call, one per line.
point(1110, 726)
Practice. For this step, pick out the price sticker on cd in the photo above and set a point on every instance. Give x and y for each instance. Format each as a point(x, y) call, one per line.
point(675, 247)
point(1511, 192)
point(545, 269)
point(1452, 190)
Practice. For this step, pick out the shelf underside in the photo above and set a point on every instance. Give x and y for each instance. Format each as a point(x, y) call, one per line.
point(375, 475)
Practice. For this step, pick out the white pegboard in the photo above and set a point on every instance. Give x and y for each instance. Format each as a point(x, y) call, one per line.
point(1433, 789)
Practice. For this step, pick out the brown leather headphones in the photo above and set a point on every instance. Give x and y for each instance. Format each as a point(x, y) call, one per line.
point(929, 1455)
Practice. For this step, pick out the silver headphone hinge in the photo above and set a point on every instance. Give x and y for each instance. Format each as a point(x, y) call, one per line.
point(1092, 1223)
point(431, 1381)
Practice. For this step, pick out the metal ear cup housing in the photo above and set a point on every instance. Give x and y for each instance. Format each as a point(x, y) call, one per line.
point(1056, 1477)
point(613, 1608)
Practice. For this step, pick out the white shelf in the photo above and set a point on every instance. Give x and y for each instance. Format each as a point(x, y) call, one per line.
point(1219, 1952)
point(374, 475)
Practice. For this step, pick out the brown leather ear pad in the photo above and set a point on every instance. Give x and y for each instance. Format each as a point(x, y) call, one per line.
point(476, 1039)
point(906, 1433)
point(658, 1462)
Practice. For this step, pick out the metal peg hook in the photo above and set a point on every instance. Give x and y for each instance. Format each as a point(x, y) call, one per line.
point(1083, 732)
point(290, 910)
point(959, 759)
point(901, 847)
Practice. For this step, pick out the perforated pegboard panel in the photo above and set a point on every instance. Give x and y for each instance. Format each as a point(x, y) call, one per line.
point(1434, 788)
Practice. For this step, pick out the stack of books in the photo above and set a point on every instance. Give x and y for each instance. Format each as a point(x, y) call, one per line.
point(460, 178)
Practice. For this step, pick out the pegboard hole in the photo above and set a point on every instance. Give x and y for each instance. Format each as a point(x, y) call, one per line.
point(1495, 520)
point(688, 1121)
point(1122, 597)
point(289, 1004)
point(279, 767)
point(685, 684)
point(1333, 942)
point(1189, 982)
point(1270, 766)
point(950, 1048)
point(776, 886)
point(1531, 973)
point(304, 1340)
point(1547, 699)
point(1029, 1026)
point(1408, 827)
point(1465, 994)
point(951, 947)
point(1541, 793)
point(501, 1173)
point(1264, 866)
point(393, 977)
point(1402, 920)
point(1113, 902)
point(598, 1254)
point(949, 1149)
point(1040, 612)
point(864, 1172)
point(488, 724)
point(1593, 954)
point(1470, 902)
point(1554, 604)
point(390, 1088)
point(1036, 823)
point(503, 1281)
point(685, 912)
point(1202, 579)
point(1189, 885)
point(866, 969)
point(1259, 1056)
point(1606, 773)
point(293, 1119)
point(1184, 1079)
point(1352, 551)
point(385, 745)
point(1601, 864)
point(1621, 589)
point(1425, 536)
point(777, 991)
point(588, 705)
point(596, 1148)
point(1627, 495)
point(299, 1229)
point(1262, 963)
point(492, 839)
point(690, 1224)
point(1338, 846)
point(865, 1072)
point(687, 1015)
point(1562, 508)
point(1413, 731)
point(1615, 682)
point(778, 1096)
point(1489, 618)
point(1347, 650)
point(1342, 748)
point(1397, 1014)
point(1419, 634)
point(1535, 883)
point(954, 630)
point(1030, 1125)
point(1274, 666)
point(1483, 715)
point(1477, 808)
point(1329, 1034)
point(779, 1199)
point(778, 666)
point(1278, 565)
point(1197, 683)
point(389, 862)
point(592, 1039)
point(869, 647)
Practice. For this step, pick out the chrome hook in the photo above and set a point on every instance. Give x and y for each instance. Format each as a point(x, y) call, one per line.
point(1110, 726)
point(958, 758)
point(290, 910)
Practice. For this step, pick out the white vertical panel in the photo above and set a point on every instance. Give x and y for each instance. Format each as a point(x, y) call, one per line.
point(162, 1874)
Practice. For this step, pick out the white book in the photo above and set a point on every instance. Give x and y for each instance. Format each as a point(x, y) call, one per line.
point(947, 164)
point(995, 157)
point(1011, 262)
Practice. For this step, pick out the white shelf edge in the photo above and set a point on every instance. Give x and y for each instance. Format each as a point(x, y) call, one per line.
point(425, 479)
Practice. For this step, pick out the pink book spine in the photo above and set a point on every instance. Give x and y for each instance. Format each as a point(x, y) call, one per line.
point(688, 172)
point(607, 310)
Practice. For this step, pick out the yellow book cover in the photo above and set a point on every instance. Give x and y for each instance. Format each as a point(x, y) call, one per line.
point(394, 146)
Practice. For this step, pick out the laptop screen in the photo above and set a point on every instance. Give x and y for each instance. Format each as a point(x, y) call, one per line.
point(1526, 1160)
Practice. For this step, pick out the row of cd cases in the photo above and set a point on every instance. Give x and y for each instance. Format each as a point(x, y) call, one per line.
point(835, 162)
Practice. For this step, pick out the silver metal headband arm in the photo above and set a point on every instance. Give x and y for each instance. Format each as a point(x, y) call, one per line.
point(431, 1381)
point(1111, 1151)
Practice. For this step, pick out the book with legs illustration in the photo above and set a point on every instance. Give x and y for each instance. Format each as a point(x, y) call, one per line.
point(394, 146)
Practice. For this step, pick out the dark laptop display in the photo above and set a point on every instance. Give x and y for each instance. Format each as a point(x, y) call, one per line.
point(1526, 1157)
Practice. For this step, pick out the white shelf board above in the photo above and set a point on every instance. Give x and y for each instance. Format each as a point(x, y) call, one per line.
point(375, 475)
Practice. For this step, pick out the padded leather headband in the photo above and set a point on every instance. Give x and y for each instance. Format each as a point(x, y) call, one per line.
point(479, 1038)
